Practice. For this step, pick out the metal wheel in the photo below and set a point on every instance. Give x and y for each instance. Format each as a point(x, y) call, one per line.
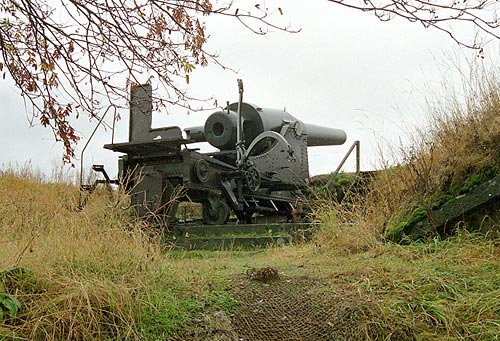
point(253, 179)
point(215, 212)
point(202, 170)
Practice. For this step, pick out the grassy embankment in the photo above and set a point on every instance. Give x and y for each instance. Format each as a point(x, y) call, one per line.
point(93, 274)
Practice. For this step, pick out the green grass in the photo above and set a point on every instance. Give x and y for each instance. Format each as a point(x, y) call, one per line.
point(439, 289)
point(433, 290)
point(179, 299)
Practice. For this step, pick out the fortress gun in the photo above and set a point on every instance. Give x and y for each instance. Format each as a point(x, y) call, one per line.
point(260, 168)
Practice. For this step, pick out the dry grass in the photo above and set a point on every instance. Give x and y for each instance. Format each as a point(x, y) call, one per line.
point(94, 276)
point(91, 274)
point(432, 289)
point(88, 266)
point(457, 150)
point(344, 229)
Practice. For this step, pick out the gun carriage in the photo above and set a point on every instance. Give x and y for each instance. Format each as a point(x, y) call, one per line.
point(260, 166)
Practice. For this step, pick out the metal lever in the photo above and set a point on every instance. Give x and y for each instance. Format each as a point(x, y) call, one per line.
point(240, 152)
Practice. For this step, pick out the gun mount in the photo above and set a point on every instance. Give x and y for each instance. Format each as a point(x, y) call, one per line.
point(261, 166)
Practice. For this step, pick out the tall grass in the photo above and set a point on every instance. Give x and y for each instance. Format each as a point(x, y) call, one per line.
point(456, 150)
point(94, 274)
point(86, 267)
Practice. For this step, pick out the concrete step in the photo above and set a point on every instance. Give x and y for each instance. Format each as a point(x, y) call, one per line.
point(227, 243)
point(236, 229)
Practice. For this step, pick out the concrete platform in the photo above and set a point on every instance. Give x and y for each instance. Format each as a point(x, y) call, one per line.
point(238, 236)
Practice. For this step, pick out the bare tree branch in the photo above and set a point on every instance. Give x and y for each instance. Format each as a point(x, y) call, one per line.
point(445, 16)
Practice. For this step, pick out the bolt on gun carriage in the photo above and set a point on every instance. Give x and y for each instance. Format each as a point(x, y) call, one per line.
point(260, 168)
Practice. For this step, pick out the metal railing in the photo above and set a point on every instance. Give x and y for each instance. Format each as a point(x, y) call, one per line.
point(355, 146)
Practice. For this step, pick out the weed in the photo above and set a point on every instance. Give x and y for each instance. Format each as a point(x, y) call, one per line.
point(11, 282)
point(9, 303)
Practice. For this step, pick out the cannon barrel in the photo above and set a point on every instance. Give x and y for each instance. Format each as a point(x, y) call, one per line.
point(324, 136)
point(220, 127)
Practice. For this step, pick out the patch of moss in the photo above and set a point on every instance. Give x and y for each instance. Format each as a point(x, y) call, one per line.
point(418, 214)
point(338, 186)
point(395, 232)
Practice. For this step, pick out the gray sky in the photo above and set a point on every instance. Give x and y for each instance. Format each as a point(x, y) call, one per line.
point(345, 69)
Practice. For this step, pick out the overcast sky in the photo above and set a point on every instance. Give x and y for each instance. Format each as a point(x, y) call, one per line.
point(345, 69)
